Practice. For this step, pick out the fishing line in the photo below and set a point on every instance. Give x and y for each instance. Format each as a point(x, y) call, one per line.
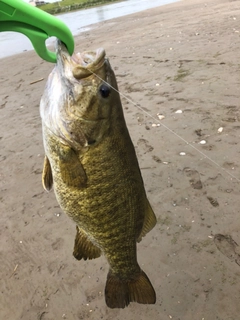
point(167, 128)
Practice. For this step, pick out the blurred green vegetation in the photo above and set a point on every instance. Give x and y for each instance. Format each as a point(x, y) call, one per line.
point(70, 5)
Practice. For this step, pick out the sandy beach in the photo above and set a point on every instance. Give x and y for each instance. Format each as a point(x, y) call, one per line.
point(178, 67)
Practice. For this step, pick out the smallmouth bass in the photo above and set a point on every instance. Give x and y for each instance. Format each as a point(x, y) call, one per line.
point(91, 163)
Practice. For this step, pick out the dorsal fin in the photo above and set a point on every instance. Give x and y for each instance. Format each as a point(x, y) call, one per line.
point(149, 221)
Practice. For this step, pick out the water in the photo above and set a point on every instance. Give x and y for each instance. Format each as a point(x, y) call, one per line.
point(78, 21)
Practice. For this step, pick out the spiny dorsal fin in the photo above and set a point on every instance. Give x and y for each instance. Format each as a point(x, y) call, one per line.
point(119, 293)
point(148, 223)
point(47, 179)
point(84, 248)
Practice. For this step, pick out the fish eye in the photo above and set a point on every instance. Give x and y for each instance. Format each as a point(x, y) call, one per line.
point(104, 90)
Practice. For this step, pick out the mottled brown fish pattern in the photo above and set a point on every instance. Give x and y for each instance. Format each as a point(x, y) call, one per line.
point(92, 165)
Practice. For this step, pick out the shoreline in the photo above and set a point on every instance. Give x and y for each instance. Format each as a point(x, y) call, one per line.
point(14, 42)
point(75, 7)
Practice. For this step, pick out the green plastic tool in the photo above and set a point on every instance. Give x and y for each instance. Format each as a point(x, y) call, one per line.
point(37, 25)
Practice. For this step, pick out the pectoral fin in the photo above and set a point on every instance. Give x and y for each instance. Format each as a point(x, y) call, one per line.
point(71, 169)
point(47, 179)
point(148, 223)
point(84, 248)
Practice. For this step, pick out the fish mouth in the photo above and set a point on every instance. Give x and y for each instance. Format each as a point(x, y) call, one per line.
point(81, 64)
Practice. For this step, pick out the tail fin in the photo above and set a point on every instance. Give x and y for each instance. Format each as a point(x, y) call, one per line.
point(119, 293)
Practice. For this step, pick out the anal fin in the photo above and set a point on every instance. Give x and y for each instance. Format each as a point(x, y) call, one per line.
point(149, 222)
point(84, 248)
point(47, 178)
point(119, 293)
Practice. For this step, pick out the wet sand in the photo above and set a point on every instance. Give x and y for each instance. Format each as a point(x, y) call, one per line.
point(184, 56)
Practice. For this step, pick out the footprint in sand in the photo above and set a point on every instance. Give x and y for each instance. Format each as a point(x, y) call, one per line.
point(227, 246)
point(213, 201)
point(58, 244)
point(194, 176)
point(142, 143)
point(157, 159)
point(4, 103)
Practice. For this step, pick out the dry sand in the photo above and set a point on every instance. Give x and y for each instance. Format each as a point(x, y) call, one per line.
point(183, 56)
